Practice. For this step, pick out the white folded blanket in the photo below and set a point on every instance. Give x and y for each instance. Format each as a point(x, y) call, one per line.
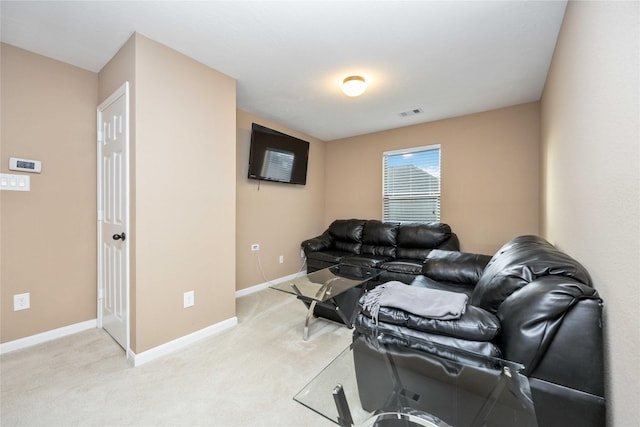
point(430, 303)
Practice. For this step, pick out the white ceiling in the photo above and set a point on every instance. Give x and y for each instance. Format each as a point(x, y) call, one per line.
point(448, 58)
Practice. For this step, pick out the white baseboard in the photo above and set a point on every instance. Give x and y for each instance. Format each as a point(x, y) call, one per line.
point(265, 285)
point(153, 353)
point(47, 336)
point(179, 343)
point(134, 359)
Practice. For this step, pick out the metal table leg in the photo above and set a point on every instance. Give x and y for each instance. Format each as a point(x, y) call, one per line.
point(305, 335)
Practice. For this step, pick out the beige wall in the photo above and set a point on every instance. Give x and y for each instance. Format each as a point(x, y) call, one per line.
point(490, 166)
point(49, 233)
point(183, 158)
point(277, 216)
point(591, 155)
point(185, 173)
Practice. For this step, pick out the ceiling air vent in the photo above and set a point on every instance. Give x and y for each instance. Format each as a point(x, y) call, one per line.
point(411, 112)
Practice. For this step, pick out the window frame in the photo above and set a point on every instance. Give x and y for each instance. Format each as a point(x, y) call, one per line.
point(437, 196)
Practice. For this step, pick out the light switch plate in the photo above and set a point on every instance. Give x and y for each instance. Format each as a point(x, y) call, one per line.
point(14, 182)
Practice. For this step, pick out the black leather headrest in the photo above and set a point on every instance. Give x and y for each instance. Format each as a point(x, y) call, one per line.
point(519, 262)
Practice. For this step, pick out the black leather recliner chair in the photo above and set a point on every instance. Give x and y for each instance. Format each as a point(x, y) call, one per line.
point(531, 304)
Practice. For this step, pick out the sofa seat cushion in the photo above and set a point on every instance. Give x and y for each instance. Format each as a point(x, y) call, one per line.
point(475, 324)
point(331, 256)
point(408, 266)
point(371, 261)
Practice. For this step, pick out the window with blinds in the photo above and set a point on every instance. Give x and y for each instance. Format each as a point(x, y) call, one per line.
point(411, 188)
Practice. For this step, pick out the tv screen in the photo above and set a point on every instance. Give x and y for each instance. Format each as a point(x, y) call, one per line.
point(275, 156)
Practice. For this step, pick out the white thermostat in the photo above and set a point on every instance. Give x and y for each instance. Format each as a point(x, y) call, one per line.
point(25, 165)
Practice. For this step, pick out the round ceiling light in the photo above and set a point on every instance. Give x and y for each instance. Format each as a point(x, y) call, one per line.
point(354, 86)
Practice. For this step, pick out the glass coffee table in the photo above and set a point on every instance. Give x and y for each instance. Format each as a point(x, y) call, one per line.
point(331, 293)
point(388, 381)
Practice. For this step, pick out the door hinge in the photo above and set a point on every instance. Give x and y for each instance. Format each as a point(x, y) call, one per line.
point(100, 294)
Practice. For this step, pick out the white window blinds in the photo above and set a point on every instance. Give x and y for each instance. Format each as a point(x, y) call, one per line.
point(411, 188)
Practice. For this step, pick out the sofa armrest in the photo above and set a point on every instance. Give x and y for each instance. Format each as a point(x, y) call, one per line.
point(455, 267)
point(451, 244)
point(318, 243)
point(553, 326)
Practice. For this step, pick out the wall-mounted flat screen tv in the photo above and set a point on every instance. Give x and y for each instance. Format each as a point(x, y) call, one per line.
point(275, 156)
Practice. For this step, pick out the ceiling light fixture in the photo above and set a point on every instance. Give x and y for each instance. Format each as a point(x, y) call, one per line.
point(354, 86)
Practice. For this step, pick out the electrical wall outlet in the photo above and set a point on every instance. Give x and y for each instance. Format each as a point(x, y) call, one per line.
point(281, 259)
point(301, 253)
point(189, 299)
point(255, 247)
point(21, 302)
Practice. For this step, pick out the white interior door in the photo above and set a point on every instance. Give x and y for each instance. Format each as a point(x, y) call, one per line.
point(113, 216)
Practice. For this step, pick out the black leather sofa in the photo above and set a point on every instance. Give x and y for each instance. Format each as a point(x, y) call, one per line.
point(398, 249)
point(529, 303)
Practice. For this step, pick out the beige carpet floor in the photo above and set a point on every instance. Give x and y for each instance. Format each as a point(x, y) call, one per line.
point(245, 376)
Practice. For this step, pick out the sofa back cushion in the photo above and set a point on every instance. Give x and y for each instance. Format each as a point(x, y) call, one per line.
point(519, 262)
point(346, 234)
point(415, 241)
point(379, 238)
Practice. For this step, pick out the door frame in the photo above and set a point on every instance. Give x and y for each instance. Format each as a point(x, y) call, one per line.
point(121, 91)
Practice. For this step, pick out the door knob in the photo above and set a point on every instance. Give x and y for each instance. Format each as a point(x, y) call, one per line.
point(119, 236)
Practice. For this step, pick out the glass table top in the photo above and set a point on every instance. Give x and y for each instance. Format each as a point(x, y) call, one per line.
point(325, 284)
point(418, 384)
